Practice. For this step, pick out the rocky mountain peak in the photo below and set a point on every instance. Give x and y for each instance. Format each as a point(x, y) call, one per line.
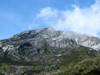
point(33, 33)
point(38, 41)
point(46, 49)
point(50, 36)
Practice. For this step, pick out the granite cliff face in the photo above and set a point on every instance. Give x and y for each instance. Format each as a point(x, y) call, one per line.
point(47, 47)
point(31, 43)
point(84, 40)
point(56, 38)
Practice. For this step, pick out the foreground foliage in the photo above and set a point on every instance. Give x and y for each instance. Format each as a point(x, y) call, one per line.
point(76, 61)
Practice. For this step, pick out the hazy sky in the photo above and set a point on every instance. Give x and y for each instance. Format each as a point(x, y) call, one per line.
point(69, 15)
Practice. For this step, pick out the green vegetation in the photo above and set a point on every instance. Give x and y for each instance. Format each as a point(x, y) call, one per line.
point(79, 62)
point(76, 61)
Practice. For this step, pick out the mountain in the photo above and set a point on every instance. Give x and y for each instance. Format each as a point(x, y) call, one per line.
point(45, 50)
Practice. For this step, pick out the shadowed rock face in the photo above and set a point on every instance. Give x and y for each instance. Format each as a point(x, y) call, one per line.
point(57, 37)
point(43, 50)
point(31, 43)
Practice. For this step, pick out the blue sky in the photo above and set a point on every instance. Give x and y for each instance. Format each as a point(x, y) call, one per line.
point(69, 15)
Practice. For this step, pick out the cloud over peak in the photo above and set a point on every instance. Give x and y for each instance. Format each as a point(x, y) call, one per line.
point(84, 20)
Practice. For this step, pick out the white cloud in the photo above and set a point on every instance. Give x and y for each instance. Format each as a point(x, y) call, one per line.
point(48, 13)
point(84, 20)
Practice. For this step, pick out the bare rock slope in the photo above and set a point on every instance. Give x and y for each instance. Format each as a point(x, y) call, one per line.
point(27, 44)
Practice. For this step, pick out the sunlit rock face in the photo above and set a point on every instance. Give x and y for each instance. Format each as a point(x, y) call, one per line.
point(84, 40)
point(57, 38)
point(31, 43)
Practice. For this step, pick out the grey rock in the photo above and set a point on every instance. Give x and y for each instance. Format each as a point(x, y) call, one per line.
point(28, 44)
point(0, 44)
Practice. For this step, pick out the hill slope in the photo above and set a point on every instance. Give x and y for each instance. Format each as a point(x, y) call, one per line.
point(45, 51)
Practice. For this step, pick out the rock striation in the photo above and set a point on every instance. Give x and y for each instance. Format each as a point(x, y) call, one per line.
point(29, 44)
point(51, 36)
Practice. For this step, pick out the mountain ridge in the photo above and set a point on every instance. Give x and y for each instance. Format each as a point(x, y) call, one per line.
point(49, 52)
point(81, 39)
